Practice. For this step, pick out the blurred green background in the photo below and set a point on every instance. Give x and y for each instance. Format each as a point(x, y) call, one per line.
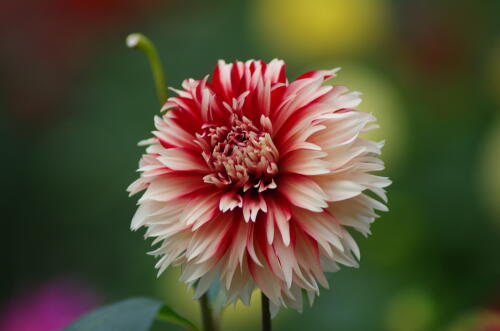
point(75, 101)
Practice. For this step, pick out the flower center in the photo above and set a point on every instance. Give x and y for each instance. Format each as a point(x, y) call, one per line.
point(241, 155)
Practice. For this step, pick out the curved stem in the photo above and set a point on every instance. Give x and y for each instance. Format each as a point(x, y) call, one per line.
point(266, 313)
point(206, 314)
point(140, 41)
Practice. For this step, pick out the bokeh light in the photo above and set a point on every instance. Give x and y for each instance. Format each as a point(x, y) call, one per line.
point(410, 310)
point(483, 320)
point(236, 316)
point(177, 294)
point(490, 171)
point(49, 307)
point(305, 29)
point(380, 98)
point(241, 317)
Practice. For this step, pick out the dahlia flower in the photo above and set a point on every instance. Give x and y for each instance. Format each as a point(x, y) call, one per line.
point(254, 181)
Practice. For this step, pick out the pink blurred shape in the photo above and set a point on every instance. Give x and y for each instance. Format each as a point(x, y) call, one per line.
point(47, 308)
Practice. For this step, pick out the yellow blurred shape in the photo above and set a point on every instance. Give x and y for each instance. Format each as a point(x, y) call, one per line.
point(180, 297)
point(241, 317)
point(305, 28)
point(490, 171)
point(410, 310)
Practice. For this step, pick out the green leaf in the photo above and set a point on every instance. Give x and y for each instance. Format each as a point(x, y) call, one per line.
point(136, 314)
point(167, 314)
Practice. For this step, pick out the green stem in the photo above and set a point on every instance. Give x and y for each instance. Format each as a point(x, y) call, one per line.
point(140, 41)
point(266, 313)
point(206, 314)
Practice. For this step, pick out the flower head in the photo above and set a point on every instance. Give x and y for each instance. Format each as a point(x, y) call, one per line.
point(253, 181)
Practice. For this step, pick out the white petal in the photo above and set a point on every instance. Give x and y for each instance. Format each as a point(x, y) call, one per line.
point(303, 192)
